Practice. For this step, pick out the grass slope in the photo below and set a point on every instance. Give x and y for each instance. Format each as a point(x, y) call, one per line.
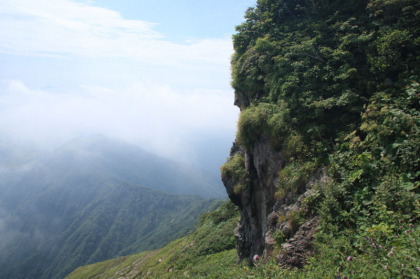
point(208, 252)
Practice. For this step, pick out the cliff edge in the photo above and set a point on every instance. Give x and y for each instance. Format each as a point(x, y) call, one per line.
point(328, 93)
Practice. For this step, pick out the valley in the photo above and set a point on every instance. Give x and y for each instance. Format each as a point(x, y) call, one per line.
point(94, 199)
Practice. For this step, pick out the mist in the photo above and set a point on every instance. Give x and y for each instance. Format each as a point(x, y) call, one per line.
point(83, 85)
point(155, 117)
point(77, 68)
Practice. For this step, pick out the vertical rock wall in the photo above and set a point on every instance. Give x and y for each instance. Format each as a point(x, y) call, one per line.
point(256, 201)
point(260, 210)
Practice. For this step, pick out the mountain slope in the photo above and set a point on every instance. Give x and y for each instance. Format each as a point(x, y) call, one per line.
point(207, 253)
point(117, 159)
point(76, 207)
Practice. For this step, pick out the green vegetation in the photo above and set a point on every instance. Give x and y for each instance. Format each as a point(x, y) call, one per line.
point(308, 67)
point(335, 85)
point(206, 253)
point(372, 204)
point(234, 169)
point(262, 119)
point(293, 177)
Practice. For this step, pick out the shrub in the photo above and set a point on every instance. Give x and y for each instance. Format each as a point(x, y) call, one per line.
point(278, 237)
point(234, 169)
point(263, 119)
point(294, 177)
point(296, 219)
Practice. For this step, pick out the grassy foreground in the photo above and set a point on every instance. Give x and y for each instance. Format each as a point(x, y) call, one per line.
point(209, 252)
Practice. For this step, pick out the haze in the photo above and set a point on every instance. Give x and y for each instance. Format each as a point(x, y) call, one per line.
point(153, 73)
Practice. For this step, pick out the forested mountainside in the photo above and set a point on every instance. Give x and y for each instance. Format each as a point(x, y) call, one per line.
point(91, 200)
point(325, 166)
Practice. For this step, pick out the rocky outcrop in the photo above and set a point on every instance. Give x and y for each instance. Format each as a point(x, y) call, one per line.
point(262, 216)
point(297, 249)
point(256, 201)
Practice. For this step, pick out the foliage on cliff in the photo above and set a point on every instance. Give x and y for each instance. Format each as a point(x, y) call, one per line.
point(308, 67)
point(335, 84)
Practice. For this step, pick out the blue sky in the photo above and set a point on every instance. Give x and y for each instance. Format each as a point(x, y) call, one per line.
point(185, 19)
point(154, 73)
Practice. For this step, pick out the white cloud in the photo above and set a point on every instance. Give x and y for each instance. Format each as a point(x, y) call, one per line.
point(127, 80)
point(150, 115)
point(64, 27)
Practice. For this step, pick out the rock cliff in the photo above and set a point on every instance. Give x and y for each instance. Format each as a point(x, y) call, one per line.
point(262, 214)
point(256, 200)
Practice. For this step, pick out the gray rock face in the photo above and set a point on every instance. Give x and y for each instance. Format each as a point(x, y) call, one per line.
point(260, 211)
point(297, 249)
point(257, 200)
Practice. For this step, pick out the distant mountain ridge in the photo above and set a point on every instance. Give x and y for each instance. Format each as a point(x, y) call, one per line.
point(93, 199)
point(122, 160)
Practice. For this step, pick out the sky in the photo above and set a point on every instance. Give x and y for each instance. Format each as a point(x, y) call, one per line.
point(152, 73)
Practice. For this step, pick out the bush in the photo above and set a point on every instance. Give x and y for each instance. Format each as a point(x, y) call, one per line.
point(263, 119)
point(293, 178)
point(279, 237)
point(234, 169)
